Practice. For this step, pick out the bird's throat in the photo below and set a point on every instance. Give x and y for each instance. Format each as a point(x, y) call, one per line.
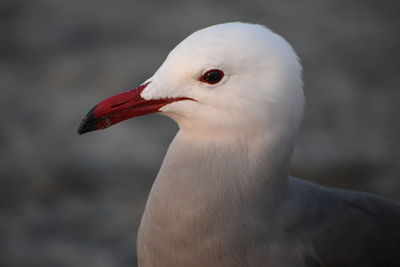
point(201, 188)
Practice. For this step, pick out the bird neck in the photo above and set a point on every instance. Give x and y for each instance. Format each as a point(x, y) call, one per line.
point(212, 189)
point(232, 170)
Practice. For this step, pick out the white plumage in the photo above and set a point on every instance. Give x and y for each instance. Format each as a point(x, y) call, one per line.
point(223, 196)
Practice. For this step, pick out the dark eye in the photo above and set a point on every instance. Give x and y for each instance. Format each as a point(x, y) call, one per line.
point(212, 76)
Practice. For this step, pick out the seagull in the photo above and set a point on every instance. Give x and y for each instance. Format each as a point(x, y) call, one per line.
point(224, 196)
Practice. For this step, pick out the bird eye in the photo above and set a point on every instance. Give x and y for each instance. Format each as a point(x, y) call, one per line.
point(212, 76)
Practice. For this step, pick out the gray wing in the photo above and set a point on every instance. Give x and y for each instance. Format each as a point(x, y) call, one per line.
point(346, 228)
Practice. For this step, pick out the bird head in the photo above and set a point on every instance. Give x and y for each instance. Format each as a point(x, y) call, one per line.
point(227, 79)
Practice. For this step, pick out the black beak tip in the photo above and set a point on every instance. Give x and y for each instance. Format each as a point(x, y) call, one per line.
point(88, 123)
point(83, 128)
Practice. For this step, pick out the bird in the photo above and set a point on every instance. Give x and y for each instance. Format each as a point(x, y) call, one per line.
point(223, 195)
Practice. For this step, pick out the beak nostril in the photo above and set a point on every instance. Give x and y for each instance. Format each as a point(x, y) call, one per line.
point(118, 105)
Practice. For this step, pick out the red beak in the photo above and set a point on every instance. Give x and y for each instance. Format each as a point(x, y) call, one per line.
point(121, 107)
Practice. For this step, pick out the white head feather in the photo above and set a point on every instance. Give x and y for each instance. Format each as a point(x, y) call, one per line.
point(261, 89)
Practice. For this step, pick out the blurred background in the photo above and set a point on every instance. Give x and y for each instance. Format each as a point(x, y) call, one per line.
point(69, 200)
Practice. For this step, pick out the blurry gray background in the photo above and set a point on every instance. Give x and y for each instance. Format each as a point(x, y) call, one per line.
point(69, 200)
